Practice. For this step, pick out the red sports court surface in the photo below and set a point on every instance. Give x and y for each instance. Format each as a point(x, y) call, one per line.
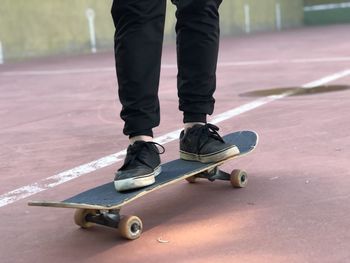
point(60, 131)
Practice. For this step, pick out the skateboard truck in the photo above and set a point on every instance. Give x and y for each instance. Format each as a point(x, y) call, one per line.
point(238, 178)
point(215, 174)
point(106, 218)
point(130, 227)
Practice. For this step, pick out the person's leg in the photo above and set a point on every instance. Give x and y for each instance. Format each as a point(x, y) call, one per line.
point(197, 37)
point(138, 46)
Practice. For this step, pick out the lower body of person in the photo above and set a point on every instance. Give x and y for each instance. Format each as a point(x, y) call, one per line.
point(138, 48)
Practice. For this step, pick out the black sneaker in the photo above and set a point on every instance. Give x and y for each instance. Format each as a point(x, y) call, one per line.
point(202, 143)
point(141, 166)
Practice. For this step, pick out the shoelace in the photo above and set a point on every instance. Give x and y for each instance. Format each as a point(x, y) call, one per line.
point(135, 150)
point(207, 131)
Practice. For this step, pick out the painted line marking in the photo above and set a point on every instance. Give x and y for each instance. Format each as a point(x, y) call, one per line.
point(60, 178)
point(57, 72)
point(319, 60)
point(174, 66)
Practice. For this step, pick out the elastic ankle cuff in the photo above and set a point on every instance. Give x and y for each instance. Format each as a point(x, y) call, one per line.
point(195, 117)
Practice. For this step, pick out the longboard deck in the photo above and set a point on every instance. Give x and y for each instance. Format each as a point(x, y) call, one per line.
point(106, 197)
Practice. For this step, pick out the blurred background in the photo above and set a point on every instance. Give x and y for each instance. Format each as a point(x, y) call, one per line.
point(36, 28)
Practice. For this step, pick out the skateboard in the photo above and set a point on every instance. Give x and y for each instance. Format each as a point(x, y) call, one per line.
point(102, 205)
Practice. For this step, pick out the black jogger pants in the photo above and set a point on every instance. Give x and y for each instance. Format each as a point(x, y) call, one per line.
point(138, 48)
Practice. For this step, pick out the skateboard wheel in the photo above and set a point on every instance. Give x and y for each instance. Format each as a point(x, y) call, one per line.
point(80, 218)
point(130, 227)
point(191, 179)
point(239, 178)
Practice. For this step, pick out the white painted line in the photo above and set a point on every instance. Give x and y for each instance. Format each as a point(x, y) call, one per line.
point(60, 178)
point(112, 69)
point(247, 63)
point(327, 79)
point(326, 7)
point(57, 72)
point(244, 108)
point(174, 66)
point(55, 180)
point(319, 60)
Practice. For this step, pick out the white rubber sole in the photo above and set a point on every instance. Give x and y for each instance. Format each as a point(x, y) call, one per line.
point(210, 158)
point(137, 182)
